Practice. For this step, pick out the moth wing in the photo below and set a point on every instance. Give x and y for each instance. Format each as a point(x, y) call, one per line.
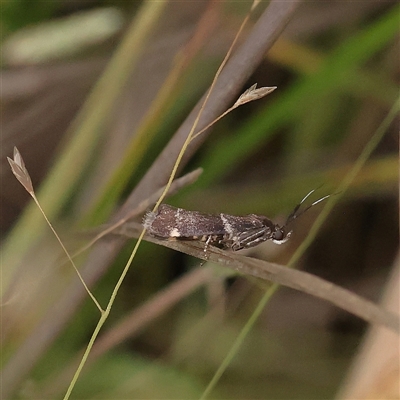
point(161, 222)
point(195, 224)
point(244, 223)
point(175, 222)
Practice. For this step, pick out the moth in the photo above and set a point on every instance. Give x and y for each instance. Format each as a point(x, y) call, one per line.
point(224, 231)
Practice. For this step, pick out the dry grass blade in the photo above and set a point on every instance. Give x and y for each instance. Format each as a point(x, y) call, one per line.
point(21, 173)
point(374, 373)
point(285, 276)
point(301, 281)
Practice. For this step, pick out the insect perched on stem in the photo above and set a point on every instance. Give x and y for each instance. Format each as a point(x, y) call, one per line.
point(223, 230)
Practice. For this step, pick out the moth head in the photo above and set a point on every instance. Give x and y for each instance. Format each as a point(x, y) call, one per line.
point(280, 234)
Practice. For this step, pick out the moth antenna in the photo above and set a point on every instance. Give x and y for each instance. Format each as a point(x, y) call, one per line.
point(293, 215)
point(319, 200)
point(307, 196)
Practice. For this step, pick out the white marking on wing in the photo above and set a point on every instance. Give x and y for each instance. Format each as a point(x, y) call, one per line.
point(227, 225)
point(174, 233)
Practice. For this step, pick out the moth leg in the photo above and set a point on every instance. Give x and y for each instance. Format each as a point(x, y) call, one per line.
point(256, 241)
point(207, 244)
point(205, 250)
point(251, 238)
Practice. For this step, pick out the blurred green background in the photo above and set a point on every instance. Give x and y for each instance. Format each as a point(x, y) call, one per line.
point(91, 93)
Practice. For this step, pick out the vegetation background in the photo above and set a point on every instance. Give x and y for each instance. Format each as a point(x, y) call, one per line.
point(92, 92)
